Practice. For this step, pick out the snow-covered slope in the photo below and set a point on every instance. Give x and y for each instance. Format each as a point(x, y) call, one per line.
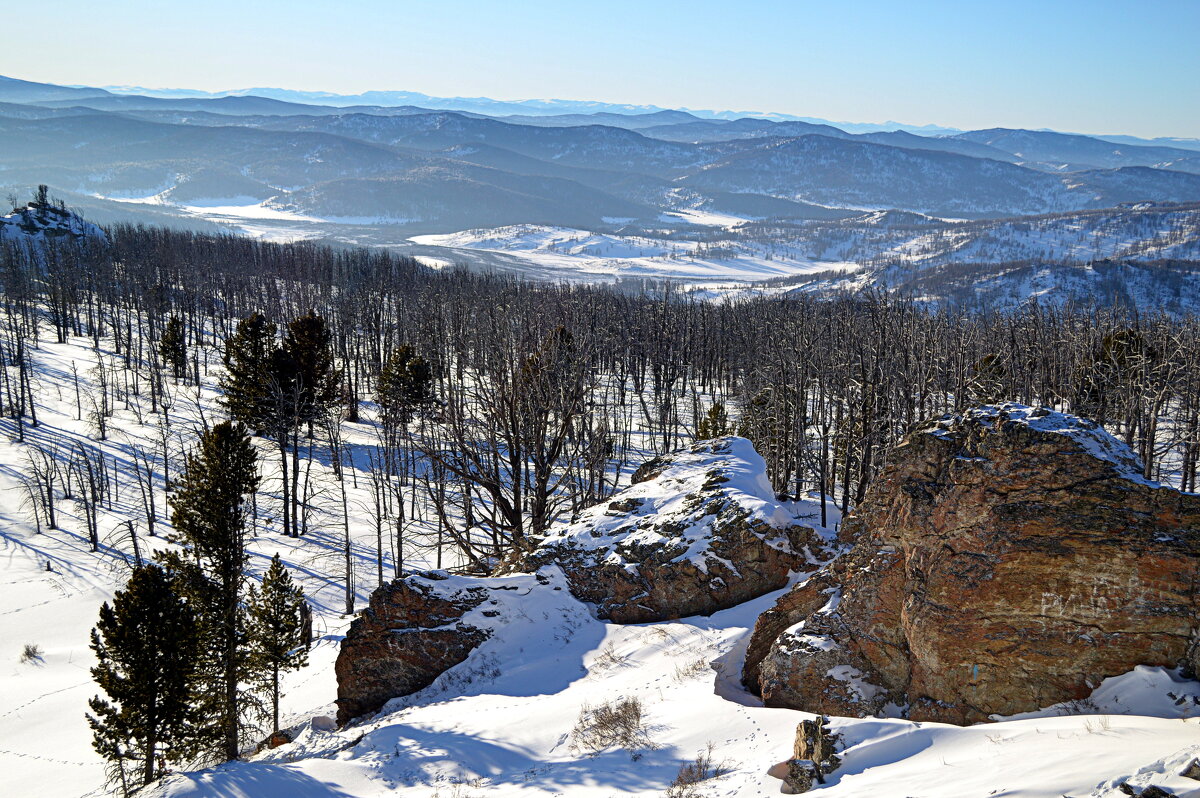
point(500, 723)
point(43, 222)
point(568, 254)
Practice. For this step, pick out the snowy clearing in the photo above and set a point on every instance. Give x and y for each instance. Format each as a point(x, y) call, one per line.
point(575, 254)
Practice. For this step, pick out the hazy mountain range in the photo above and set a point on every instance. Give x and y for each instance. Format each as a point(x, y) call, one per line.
point(386, 161)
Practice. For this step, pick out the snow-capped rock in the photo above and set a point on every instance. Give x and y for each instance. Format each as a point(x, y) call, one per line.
point(40, 222)
point(701, 530)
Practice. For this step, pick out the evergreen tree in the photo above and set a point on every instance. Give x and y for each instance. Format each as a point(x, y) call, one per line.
point(172, 346)
point(209, 515)
point(147, 645)
point(248, 379)
point(276, 629)
point(715, 423)
point(405, 385)
point(308, 344)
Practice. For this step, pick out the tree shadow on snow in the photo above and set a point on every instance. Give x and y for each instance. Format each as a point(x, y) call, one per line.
point(415, 755)
point(240, 780)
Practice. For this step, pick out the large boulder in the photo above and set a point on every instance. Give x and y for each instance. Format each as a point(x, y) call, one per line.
point(700, 530)
point(436, 632)
point(1006, 559)
point(412, 632)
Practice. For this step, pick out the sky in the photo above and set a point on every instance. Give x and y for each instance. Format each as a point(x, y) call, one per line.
point(1100, 66)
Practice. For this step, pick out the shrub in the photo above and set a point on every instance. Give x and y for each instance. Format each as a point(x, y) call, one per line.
point(616, 724)
point(701, 769)
point(31, 653)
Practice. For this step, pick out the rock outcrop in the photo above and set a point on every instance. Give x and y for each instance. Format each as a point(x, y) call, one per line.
point(1005, 560)
point(700, 530)
point(412, 632)
point(41, 222)
point(435, 632)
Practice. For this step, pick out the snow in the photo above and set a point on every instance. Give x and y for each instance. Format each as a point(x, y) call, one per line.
point(499, 723)
point(257, 210)
point(1088, 435)
point(244, 211)
point(705, 218)
point(1148, 691)
point(675, 509)
point(433, 263)
point(569, 253)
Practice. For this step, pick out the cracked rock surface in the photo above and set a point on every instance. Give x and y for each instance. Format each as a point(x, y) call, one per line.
point(1006, 559)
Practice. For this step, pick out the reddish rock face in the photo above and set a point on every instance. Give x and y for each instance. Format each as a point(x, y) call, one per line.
point(1005, 560)
point(409, 635)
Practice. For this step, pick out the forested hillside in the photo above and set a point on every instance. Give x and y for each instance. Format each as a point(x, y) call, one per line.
point(391, 417)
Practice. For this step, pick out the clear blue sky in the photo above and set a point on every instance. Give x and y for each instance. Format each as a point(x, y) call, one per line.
point(1098, 66)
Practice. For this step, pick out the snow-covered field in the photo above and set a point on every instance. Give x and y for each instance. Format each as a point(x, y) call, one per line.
point(576, 254)
point(499, 724)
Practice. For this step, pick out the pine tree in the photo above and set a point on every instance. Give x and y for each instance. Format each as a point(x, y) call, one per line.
point(276, 629)
point(308, 343)
point(209, 515)
point(405, 385)
point(172, 346)
point(147, 645)
point(715, 423)
point(248, 378)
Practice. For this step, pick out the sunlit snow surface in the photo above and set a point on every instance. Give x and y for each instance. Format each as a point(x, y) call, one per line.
point(605, 256)
point(500, 723)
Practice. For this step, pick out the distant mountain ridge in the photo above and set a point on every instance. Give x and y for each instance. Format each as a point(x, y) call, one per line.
point(491, 107)
point(295, 157)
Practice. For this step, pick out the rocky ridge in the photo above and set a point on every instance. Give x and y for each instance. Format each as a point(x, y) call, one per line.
point(700, 530)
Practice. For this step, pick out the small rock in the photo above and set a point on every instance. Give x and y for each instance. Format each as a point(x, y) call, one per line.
point(1192, 771)
point(779, 770)
point(814, 757)
point(279, 738)
point(323, 723)
point(274, 741)
point(815, 743)
point(1156, 792)
point(801, 773)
